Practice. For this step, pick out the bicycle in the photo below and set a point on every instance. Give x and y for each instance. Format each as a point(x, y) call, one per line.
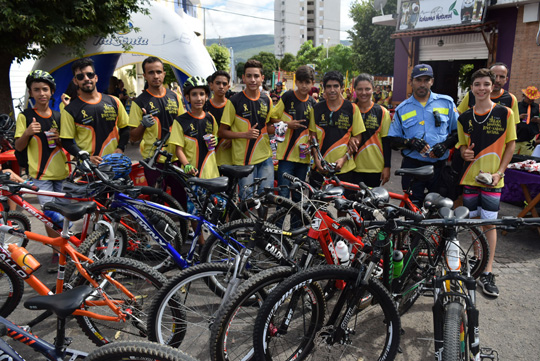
point(121, 287)
point(63, 305)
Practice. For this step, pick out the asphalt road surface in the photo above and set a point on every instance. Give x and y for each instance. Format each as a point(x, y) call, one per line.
point(509, 323)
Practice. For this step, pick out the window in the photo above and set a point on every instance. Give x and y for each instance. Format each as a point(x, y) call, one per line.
point(310, 3)
point(310, 38)
point(310, 20)
point(311, 12)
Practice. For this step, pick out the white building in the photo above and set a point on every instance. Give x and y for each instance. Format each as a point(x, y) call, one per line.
point(297, 21)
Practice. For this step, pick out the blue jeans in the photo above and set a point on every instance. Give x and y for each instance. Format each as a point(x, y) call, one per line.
point(298, 170)
point(264, 169)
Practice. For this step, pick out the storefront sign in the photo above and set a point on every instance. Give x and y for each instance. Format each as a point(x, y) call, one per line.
point(421, 14)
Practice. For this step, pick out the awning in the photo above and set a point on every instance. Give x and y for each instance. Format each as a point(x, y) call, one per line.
point(442, 31)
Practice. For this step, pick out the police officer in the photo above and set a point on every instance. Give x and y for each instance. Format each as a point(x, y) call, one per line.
point(425, 128)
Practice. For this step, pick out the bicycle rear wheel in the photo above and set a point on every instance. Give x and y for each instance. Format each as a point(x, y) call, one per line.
point(184, 310)
point(456, 346)
point(295, 322)
point(12, 289)
point(137, 351)
point(113, 274)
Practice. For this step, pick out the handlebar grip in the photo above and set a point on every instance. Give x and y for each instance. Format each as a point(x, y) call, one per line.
point(290, 177)
point(150, 190)
point(362, 208)
point(363, 186)
point(32, 187)
point(407, 213)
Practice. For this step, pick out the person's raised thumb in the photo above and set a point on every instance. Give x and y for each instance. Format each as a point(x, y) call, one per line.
point(471, 146)
point(144, 111)
point(34, 120)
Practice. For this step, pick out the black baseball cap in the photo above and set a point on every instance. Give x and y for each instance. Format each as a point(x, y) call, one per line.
point(422, 70)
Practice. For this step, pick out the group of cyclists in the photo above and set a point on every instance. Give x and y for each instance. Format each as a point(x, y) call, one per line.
point(355, 136)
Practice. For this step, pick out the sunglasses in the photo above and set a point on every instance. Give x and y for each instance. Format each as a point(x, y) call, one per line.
point(331, 121)
point(81, 76)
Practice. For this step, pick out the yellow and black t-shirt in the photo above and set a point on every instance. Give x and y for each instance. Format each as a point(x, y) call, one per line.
point(505, 98)
point(489, 133)
point(164, 108)
point(94, 126)
point(241, 114)
point(44, 163)
point(188, 132)
point(288, 108)
point(223, 156)
point(334, 128)
point(369, 158)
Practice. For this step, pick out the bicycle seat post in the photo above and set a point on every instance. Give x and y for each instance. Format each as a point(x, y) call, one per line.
point(66, 234)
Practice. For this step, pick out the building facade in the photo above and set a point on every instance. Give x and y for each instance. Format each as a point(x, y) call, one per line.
point(297, 21)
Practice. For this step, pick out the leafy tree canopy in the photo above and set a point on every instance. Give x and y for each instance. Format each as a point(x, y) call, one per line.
point(220, 55)
point(373, 49)
point(308, 54)
point(269, 62)
point(240, 69)
point(29, 28)
point(340, 58)
point(286, 62)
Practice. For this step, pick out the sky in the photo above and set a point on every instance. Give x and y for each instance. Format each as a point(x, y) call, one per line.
point(255, 14)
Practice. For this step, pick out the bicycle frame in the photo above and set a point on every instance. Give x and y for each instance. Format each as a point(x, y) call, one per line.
point(37, 344)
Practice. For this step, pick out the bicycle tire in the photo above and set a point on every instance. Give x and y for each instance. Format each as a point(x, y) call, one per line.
point(231, 335)
point(96, 241)
point(13, 289)
point(142, 247)
point(184, 309)
point(216, 251)
point(139, 279)
point(167, 200)
point(377, 336)
point(137, 351)
point(19, 221)
point(456, 346)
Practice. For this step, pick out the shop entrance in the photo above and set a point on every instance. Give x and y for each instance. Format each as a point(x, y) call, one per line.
point(447, 75)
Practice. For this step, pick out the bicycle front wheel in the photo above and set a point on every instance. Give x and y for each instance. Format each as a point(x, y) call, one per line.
point(456, 346)
point(184, 310)
point(115, 276)
point(12, 287)
point(137, 351)
point(297, 323)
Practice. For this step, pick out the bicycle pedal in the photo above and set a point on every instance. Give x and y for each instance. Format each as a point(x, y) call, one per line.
point(487, 353)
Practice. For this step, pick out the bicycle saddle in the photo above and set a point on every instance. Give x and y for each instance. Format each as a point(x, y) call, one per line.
point(420, 173)
point(62, 304)
point(72, 211)
point(236, 171)
point(214, 185)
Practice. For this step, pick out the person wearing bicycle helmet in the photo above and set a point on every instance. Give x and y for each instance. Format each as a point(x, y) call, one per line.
point(37, 136)
point(151, 116)
point(195, 133)
point(93, 122)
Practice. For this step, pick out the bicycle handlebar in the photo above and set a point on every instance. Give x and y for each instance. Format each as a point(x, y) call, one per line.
point(13, 186)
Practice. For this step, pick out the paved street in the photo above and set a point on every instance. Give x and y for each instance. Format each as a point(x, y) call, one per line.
point(509, 323)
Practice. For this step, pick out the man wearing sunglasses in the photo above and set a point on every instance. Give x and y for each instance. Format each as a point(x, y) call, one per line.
point(334, 122)
point(93, 122)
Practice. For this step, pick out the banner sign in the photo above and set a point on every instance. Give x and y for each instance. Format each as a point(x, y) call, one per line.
point(422, 14)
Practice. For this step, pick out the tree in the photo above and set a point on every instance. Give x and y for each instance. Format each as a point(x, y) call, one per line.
point(308, 54)
point(221, 56)
point(373, 49)
point(29, 28)
point(240, 69)
point(269, 62)
point(286, 62)
point(340, 58)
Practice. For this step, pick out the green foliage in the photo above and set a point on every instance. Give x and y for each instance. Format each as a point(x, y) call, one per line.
point(269, 62)
point(169, 75)
point(53, 22)
point(308, 54)
point(464, 78)
point(240, 69)
point(286, 62)
point(340, 58)
point(221, 56)
point(373, 49)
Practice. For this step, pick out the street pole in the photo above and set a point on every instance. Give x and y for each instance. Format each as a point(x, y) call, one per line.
point(233, 70)
point(327, 40)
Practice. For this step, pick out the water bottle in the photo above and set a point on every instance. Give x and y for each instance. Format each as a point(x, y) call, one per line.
point(24, 259)
point(452, 255)
point(397, 262)
point(342, 253)
point(163, 228)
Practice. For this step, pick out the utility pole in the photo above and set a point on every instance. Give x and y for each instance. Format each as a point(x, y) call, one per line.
point(233, 69)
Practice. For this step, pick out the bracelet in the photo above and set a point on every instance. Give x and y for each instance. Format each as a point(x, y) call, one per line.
point(501, 174)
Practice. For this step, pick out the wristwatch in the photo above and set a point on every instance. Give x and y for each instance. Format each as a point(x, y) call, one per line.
point(501, 174)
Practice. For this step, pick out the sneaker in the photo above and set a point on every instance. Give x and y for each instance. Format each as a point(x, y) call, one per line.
point(487, 282)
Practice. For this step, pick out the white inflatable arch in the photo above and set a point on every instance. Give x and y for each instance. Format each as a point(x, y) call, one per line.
point(163, 33)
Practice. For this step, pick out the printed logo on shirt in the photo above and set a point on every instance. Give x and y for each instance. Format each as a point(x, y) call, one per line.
point(109, 113)
point(87, 119)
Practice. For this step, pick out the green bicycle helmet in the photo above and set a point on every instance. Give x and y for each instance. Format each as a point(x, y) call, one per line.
point(40, 76)
point(196, 82)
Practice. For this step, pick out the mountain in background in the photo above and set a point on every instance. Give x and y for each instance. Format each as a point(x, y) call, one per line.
point(246, 46)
